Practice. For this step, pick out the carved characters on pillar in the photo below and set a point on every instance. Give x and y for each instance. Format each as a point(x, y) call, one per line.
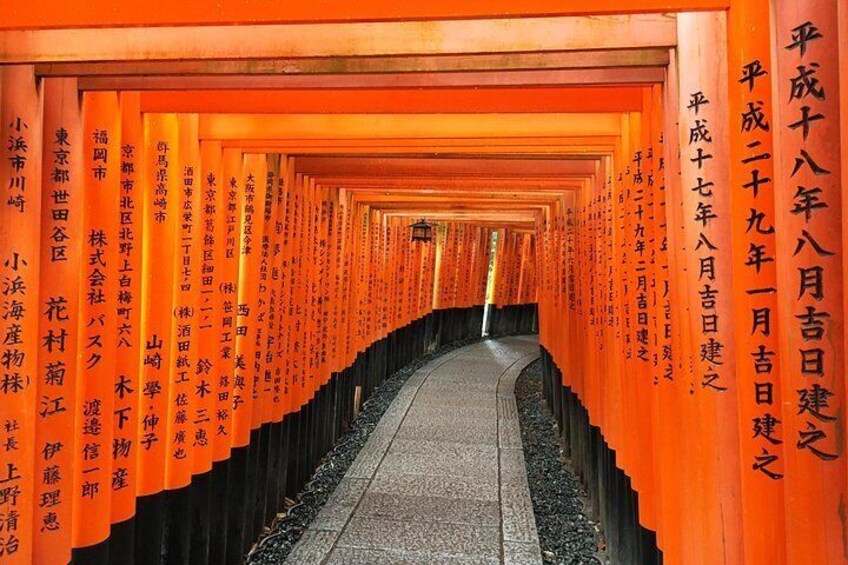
point(710, 347)
point(816, 261)
point(759, 243)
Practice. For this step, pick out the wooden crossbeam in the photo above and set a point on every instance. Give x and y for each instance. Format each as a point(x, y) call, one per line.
point(579, 59)
point(503, 35)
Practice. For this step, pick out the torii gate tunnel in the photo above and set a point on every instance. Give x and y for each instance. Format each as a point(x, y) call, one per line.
point(206, 261)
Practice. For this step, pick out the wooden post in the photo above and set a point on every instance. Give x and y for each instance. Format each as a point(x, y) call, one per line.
point(810, 277)
point(20, 227)
point(761, 416)
point(61, 243)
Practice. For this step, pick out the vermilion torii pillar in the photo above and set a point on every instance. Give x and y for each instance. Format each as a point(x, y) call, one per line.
point(810, 283)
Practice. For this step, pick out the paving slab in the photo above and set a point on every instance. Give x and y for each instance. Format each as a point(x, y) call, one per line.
point(442, 477)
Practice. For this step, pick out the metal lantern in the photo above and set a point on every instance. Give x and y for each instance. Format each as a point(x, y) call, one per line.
point(422, 231)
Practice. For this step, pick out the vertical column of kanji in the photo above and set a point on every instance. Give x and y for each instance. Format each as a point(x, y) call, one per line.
point(223, 168)
point(360, 246)
point(211, 221)
point(179, 427)
point(58, 294)
point(705, 177)
point(381, 255)
point(268, 293)
point(351, 265)
point(582, 274)
point(284, 311)
point(128, 311)
point(685, 490)
point(251, 207)
point(385, 263)
point(20, 213)
point(404, 254)
point(227, 289)
point(412, 261)
point(345, 281)
point(683, 335)
point(160, 216)
point(455, 257)
point(306, 269)
point(318, 218)
point(810, 278)
point(262, 386)
point(273, 369)
point(616, 236)
point(96, 347)
point(444, 267)
point(391, 284)
point(332, 289)
point(323, 262)
point(467, 272)
point(625, 260)
point(591, 381)
point(569, 289)
point(667, 437)
point(549, 268)
point(755, 282)
point(647, 316)
point(296, 369)
point(250, 238)
point(637, 373)
point(368, 235)
point(275, 350)
point(356, 253)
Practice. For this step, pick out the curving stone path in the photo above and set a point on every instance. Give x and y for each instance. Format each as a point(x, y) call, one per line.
point(442, 477)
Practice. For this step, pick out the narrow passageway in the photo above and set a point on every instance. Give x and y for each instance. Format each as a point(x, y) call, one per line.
point(442, 478)
point(226, 224)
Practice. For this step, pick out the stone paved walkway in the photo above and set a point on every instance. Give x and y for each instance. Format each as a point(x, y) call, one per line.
point(442, 478)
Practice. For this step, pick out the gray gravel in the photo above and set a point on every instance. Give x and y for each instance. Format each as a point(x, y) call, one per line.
point(277, 541)
point(566, 533)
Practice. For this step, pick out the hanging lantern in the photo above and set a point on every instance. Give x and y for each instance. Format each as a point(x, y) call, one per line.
point(422, 231)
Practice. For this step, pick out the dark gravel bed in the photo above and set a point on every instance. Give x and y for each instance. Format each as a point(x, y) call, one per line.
point(566, 532)
point(278, 540)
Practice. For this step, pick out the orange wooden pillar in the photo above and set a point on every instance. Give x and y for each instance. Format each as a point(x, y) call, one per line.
point(209, 478)
point(97, 345)
point(704, 169)
point(250, 241)
point(20, 221)
point(761, 410)
point(225, 168)
point(128, 311)
point(686, 500)
point(180, 427)
point(810, 276)
point(160, 219)
point(61, 244)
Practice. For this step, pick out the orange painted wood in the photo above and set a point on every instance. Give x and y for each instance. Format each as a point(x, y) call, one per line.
point(125, 444)
point(60, 259)
point(212, 219)
point(228, 258)
point(203, 12)
point(707, 221)
point(761, 418)
point(247, 307)
point(810, 276)
point(492, 35)
point(182, 392)
point(96, 345)
point(20, 227)
point(160, 221)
